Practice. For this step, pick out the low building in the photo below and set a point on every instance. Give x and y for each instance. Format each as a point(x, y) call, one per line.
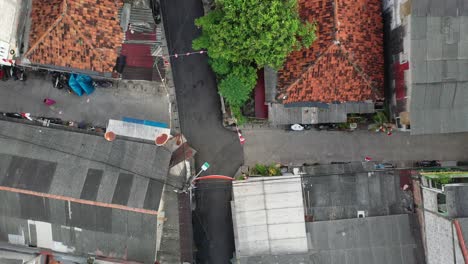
point(339, 213)
point(102, 38)
point(79, 195)
point(445, 216)
point(341, 73)
point(427, 63)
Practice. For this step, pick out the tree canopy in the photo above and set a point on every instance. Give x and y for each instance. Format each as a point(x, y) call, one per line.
point(246, 31)
point(241, 35)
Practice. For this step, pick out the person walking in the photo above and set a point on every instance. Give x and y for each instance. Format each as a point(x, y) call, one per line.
point(49, 101)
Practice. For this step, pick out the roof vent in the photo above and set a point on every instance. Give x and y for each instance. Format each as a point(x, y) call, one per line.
point(361, 214)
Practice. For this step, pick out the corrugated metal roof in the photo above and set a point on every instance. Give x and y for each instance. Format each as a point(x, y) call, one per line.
point(34, 162)
point(439, 8)
point(340, 196)
point(271, 77)
point(78, 193)
point(439, 67)
point(268, 217)
point(77, 228)
point(279, 114)
point(384, 239)
point(390, 239)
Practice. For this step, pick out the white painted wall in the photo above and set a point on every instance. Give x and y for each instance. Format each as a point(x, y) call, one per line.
point(44, 237)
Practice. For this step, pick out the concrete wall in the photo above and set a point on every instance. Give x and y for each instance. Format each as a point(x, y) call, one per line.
point(419, 209)
point(430, 200)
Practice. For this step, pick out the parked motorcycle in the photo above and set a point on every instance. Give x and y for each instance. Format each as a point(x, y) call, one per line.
point(17, 73)
point(327, 127)
point(383, 166)
point(60, 80)
point(13, 115)
point(102, 84)
point(428, 163)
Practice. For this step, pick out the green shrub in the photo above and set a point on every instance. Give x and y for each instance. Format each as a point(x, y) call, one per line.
point(237, 113)
point(238, 85)
point(380, 118)
point(260, 169)
point(443, 178)
point(264, 170)
point(273, 170)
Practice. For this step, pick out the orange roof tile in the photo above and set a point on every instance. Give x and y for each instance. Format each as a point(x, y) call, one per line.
point(82, 34)
point(345, 63)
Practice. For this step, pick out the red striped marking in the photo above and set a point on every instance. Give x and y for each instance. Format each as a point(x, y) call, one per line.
point(461, 240)
point(215, 177)
point(76, 200)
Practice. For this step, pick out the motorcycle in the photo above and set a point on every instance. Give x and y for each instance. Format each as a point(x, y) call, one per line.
point(327, 127)
point(102, 84)
point(18, 73)
point(60, 80)
point(428, 163)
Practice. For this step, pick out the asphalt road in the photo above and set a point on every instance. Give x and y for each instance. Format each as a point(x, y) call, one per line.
point(200, 119)
point(271, 146)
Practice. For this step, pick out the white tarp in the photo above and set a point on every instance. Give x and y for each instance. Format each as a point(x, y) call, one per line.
point(134, 130)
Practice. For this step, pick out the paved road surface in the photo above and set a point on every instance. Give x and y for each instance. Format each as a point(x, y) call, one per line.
point(138, 99)
point(200, 119)
point(267, 146)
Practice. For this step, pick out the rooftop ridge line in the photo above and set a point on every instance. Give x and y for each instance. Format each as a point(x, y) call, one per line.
point(77, 200)
point(52, 27)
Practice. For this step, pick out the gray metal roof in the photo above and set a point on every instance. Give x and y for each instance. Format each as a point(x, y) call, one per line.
point(384, 239)
point(439, 67)
point(82, 166)
point(77, 228)
point(62, 165)
point(280, 114)
point(439, 8)
point(339, 193)
point(270, 77)
point(392, 239)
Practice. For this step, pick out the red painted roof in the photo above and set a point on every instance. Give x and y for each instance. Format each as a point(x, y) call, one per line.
point(83, 34)
point(345, 63)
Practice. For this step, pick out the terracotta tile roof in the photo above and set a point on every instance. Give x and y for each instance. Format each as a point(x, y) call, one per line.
point(345, 63)
point(80, 34)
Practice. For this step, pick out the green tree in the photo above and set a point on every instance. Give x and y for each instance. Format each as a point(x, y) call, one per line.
point(220, 66)
point(238, 84)
point(253, 31)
